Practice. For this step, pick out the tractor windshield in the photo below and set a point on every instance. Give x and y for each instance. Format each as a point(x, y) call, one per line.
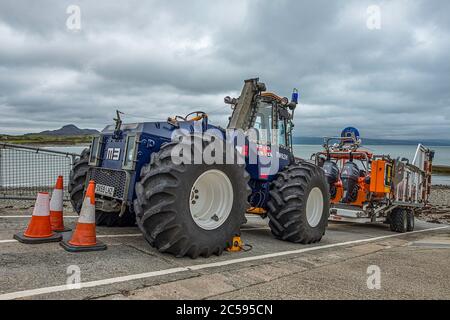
point(263, 122)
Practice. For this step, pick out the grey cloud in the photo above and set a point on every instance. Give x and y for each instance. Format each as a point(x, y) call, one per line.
point(159, 58)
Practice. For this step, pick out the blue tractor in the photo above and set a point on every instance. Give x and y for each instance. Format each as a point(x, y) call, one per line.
point(196, 208)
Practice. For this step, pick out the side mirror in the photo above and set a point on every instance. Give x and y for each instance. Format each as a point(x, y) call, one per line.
point(284, 114)
point(292, 106)
point(261, 86)
point(229, 100)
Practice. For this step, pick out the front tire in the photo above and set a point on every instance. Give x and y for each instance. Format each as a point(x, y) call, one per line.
point(77, 179)
point(299, 204)
point(166, 203)
point(77, 182)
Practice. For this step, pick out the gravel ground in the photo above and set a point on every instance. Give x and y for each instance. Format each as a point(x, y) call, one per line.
point(439, 210)
point(27, 204)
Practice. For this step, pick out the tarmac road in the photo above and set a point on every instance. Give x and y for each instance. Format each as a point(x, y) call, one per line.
point(413, 265)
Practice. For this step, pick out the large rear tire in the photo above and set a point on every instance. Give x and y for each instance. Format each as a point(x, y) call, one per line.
point(77, 182)
point(190, 209)
point(299, 204)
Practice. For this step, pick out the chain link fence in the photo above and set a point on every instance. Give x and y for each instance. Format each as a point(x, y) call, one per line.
point(25, 171)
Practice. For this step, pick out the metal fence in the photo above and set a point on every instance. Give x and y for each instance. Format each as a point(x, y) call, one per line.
point(24, 170)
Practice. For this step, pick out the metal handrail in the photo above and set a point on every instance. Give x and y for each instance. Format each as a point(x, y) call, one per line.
point(26, 170)
point(17, 146)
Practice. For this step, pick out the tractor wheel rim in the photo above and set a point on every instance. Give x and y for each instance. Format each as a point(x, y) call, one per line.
point(211, 199)
point(314, 207)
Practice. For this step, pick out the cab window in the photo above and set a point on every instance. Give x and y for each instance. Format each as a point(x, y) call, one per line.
point(282, 132)
point(263, 123)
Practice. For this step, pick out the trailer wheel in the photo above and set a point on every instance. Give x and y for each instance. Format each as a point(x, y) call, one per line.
point(77, 181)
point(299, 204)
point(399, 220)
point(190, 209)
point(411, 222)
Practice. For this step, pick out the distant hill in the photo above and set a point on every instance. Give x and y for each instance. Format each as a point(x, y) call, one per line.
point(67, 135)
point(68, 130)
point(366, 141)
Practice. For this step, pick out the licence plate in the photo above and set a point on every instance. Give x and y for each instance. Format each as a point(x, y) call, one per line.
point(104, 190)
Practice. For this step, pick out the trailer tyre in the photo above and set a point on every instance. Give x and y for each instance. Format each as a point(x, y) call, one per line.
point(299, 204)
point(190, 209)
point(399, 220)
point(411, 222)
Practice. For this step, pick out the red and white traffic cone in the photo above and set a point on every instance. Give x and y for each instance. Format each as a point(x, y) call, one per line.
point(39, 229)
point(56, 207)
point(84, 237)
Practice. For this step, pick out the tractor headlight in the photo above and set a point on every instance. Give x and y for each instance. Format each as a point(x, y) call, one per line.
point(95, 146)
point(130, 153)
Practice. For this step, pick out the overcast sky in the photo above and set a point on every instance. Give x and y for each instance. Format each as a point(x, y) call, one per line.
point(161, 58)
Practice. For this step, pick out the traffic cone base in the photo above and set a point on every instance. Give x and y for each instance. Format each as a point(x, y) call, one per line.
point(29, 240)
point(73, 248)
point(63, 230)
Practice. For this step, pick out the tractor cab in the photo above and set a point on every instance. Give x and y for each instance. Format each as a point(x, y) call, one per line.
point(267, 120)
point(267, 113)
point(273, 121)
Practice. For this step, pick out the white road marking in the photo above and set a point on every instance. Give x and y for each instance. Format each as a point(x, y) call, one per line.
point(98, 236)
point(33, 292)
point(8, 241)
point(90, 284)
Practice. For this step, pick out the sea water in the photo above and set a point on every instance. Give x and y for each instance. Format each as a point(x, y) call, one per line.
point(441, 157)
point(442, 154)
